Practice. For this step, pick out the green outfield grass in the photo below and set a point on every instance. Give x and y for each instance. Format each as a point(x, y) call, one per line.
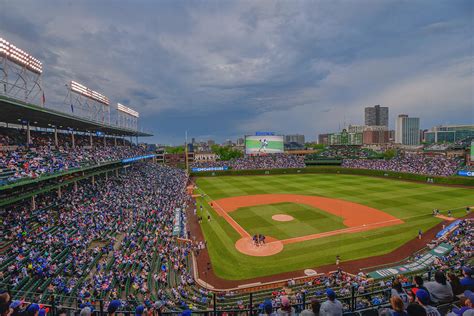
point(410, 201)
point(307, 220)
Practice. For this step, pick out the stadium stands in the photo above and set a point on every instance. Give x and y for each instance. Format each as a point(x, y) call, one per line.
point(273, 161)
point(411, 163)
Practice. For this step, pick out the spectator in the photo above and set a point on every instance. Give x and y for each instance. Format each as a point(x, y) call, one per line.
point(418, 284)
point(415, 309)
point(314, 310)
point(398, 306)
point(267, 308)
point(440, 290)
point(455, 284)
point(398, 291)
point(331, 307)
point(285, 309)
point(468, 305)
point(423, 298)
point(467, 281)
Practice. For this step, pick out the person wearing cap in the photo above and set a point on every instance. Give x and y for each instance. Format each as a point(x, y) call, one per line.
point(140, 310)
point(113, 307)
point(314, 310)
point(467, 281)
point(285, 308)
point(332, 307)
point(423, 298)
point(267, 308)
point(33, 310)
point(440, 290)
point(468, 305)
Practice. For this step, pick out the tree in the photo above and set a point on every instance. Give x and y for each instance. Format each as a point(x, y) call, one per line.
point(174, 150)
point(226, 152)
point(389, 154)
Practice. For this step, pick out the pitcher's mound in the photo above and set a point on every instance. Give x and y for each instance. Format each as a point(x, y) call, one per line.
point(282, 218)
point(246, 246)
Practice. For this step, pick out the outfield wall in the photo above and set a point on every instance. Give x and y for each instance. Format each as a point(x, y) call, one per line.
point(455, 180)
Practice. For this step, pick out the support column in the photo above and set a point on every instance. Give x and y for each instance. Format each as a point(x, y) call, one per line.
point(115, 141)
point(93, 180)
point(33, 202)
point(60, 193)
point(55, 136)
point(106, 176)
point(28, 134)
point(72, 139)
point(116, 173)
point(90, 138)
point(136, 139)
point(105, 141)
point(75, 186)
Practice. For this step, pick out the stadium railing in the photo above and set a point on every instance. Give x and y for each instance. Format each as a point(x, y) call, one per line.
point(55, 302)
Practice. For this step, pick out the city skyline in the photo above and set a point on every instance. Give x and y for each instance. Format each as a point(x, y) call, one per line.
point(213, 70)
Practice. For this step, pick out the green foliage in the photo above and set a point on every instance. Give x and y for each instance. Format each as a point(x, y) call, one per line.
point(226, 152)
point(315, 146)
point(174, 150)
point(389, 154)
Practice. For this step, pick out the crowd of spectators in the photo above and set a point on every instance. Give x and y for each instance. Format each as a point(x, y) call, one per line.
point(271, 161)
point(33, 162)
point(111, 240)
point(42, 157)
point(411, 163)
point(340, 152)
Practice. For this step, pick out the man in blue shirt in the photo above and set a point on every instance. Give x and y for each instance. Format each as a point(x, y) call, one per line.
point(468, 281)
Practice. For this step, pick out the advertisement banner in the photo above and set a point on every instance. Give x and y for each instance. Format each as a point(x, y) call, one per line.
point(466, 173)
point(419, 264)
point(137, 158)
point(257, 145)
point(210, 169)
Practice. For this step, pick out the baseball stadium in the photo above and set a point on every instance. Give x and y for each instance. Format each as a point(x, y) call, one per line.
point(97, 222)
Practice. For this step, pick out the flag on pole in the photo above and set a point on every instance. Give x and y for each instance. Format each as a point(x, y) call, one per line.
point(43, 99)
point(72, 108)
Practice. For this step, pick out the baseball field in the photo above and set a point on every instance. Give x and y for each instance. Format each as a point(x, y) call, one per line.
point(309, 219)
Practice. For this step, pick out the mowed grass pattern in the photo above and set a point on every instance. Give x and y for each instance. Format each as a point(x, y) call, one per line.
point(410, 201)
point(307, 220)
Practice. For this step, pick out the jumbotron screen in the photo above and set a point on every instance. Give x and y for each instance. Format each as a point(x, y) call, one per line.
point(258, 145)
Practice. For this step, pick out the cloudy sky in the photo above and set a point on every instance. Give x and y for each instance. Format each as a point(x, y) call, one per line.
point(222, 69)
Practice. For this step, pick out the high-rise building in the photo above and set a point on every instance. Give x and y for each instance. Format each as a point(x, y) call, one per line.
point(323, 139)
point(345, 138)
point(211, 142)
point(449, 133)
point(407, 130)
point(376, 115)
point(371, 137)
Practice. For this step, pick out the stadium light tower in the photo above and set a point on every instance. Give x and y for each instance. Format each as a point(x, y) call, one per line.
point(20, 74)
point(126, 117)
point(88, 103)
